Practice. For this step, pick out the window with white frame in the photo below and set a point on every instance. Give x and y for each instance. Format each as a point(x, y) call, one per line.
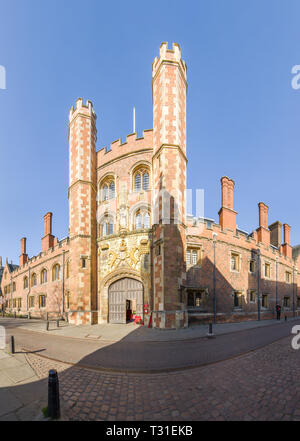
point(193, 256)
point(235, 262)
point(142, 219)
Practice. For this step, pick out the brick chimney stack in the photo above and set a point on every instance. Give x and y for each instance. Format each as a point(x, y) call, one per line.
point(227, 215)
point(286, 246)
point(23, 257)
point(263, 233)
point(48, 239)
point(275, 230)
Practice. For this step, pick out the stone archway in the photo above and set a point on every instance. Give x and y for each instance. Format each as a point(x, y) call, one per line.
point(122, 291)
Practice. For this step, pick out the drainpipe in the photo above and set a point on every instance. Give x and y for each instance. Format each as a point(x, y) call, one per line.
point(63, 285)
point(29, 288)
point(11, 293)
point(258, 284)
point(214, 278)
point(294, 313)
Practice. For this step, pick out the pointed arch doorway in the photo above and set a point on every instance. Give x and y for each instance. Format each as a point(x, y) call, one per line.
point(124, 296)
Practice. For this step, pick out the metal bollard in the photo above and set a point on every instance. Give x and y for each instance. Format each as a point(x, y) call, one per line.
point(47, 325)
point(210, 328)
point(285, 318)
point(57, 323)
point(12, 344)
point(53, 395)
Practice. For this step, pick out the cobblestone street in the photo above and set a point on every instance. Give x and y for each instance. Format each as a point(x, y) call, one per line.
point(261, 385)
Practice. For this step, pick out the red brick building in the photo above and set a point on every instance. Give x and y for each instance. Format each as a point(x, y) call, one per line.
point(133, 250)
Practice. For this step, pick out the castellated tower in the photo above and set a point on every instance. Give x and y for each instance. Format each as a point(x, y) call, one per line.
point(82, 213)
point(169, 88)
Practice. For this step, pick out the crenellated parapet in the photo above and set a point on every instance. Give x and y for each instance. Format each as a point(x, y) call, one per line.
point(119, 149)
point(83, 109)
point(169, 56)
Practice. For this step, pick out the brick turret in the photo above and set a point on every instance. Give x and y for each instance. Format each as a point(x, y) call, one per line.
point(169, 172)
point(82, 212)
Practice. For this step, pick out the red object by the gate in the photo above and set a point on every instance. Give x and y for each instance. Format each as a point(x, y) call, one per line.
point(138, 320)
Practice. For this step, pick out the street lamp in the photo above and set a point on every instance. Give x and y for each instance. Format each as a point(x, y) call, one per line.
point(258, 284)
point(214, 278)
point(277, 280)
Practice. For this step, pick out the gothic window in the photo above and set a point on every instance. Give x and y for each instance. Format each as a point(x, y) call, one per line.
point(146, 181)
point(107, 228)
point(31, 302)
point(56, 272)
point(33, 280)
point(44, 276)
point(68, 269)
point(141, 179)
point(108, 189)
point(25, 282)
point(142, 220)
point(138, 221)
point(14, 286)
point(137, 182)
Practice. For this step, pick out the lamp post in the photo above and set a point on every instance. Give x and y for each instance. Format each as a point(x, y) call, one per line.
point(276, 280)
point(214, 278)
point(294, 313)
point(258, 284)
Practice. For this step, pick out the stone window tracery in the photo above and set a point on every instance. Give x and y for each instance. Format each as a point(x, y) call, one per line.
point(108, 189)
point(142, 219)
point(56, 272)
point(141, 179)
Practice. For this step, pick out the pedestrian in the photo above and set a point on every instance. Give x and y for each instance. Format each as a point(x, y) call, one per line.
point(278, 311)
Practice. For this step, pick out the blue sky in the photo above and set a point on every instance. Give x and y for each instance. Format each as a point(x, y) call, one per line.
point(243, 115)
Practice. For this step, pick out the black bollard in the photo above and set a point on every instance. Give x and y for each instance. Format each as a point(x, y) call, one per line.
point(210, 328)
point(47, 325)
point(12, 344)
point(285, 318)
point(53, 395)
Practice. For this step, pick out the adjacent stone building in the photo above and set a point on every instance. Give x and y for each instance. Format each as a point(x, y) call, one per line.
point(133, 251)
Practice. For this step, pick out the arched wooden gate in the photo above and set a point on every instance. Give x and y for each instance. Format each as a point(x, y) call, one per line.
point(121, 291)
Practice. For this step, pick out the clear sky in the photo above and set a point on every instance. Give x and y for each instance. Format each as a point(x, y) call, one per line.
point(243, 115)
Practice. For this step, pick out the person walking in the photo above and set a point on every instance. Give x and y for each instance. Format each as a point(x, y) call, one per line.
point(278, 311)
